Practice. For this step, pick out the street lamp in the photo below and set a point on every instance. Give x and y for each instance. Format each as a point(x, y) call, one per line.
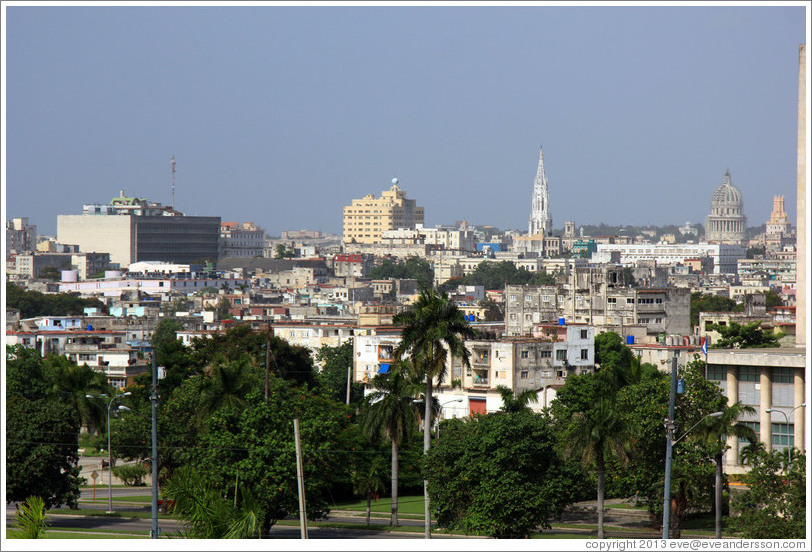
point(714, 415)
point(109, 451)
point(786, 420)
point(441, 412)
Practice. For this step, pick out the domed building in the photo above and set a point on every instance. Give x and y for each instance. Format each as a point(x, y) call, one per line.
point(726, 223)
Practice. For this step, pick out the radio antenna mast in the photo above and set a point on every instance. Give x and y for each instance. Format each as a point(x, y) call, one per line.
point(172, 163)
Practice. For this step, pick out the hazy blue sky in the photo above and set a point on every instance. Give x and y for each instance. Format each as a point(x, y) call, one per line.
point(283, 115)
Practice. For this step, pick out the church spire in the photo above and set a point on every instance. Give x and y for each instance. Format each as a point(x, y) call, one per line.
point(540, 219)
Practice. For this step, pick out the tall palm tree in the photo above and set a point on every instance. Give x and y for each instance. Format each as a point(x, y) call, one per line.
point(595, 435)
point(517, 403)
point(712, 433)
point(432, 328)
point(389, 411)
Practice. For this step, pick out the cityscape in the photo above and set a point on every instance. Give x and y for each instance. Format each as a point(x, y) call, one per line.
point(387, 359)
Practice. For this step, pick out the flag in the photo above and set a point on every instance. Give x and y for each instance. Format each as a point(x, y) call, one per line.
point(705, 346)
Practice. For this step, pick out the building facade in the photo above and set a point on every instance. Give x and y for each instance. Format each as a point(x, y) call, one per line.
point(241, 240)
point(725, 257)
point(367, 218)
point(133, 229)
point(20, 236)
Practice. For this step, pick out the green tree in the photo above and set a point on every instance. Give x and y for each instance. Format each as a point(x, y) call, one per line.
point(747, 336)
point(494, 312)
point(73, 383)
point(368, 480)
point(772, 300)
point(30, 522)
point(42, 451)
point(332, 379)
point(773, 506)
point(282, 252)
point(256, 444)
point(595, 434)
point(207, 513)
point(432, 328)
point(517, 402)
point(34, 303)
point(228, 385)
point(705, 302)
point(413, 268)
point(494, 275)
point(712, 432)
point(389, 412)
point(498, 475)
point(50, 273)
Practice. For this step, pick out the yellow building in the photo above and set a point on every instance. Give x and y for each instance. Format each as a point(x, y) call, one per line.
point(367, 218)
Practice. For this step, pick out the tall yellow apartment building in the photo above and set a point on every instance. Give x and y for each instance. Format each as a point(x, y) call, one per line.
point(367, 218)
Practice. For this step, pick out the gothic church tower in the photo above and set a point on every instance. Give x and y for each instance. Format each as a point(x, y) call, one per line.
point(541, 223)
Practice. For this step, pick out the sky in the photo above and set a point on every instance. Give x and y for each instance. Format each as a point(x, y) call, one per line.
point(283, 115)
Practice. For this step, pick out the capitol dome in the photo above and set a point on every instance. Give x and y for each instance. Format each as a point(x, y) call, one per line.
point(726, 222)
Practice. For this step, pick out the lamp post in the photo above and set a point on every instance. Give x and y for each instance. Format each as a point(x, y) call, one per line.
point(109, 450)
point(786, 420)
point(441, 412)
point(154, 532)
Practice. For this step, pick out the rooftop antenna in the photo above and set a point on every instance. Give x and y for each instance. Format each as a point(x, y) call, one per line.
point(172, 164)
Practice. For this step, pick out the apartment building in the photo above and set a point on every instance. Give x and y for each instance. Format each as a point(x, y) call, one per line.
point(20, 235)
point(241, 240)
point(724, 256)
point(597, 297)
point(367, 218)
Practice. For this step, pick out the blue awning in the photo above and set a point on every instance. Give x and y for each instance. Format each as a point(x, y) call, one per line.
point(384, 369)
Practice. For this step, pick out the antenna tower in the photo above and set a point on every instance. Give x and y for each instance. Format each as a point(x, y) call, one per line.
point(172, 164)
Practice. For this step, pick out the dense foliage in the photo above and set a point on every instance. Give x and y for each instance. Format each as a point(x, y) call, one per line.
point(747, 336)
point(42, 430)
point(332, 378)
point(494, 275)
point(773, 504)
point(497, 475)
point(35, 303)
point(413, 268)
point(706, 302)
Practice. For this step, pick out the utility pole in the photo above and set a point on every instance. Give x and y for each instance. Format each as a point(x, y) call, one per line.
point(172, 163)
point(267, 366)
point(300, 479)
point(154, 399)
point(669, 444)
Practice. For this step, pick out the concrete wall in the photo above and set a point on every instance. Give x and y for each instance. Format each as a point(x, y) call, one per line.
point(107, 234)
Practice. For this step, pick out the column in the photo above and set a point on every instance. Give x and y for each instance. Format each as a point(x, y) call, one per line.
point(800, 414)
point(732, 456)
point(765, 403)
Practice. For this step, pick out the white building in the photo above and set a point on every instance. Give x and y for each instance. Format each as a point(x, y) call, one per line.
point(725, 256)
point(241, 240)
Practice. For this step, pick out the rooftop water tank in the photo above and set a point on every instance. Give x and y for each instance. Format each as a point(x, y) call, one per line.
point(561, 321)
point(629, 340)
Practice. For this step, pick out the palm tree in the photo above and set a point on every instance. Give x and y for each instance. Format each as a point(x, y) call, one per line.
point(31, 522)
point(596, 434)
point(367, 480)
point(517, 403)
point(432, 328)
point(229, 382)
point(389, 411)
point(74, 383)
point(207, 512)
point(712, 433)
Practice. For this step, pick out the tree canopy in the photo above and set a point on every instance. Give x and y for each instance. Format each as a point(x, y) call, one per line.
point(494, 275)
point(35, 303)
point(706, 302)
point(747, 336)
point(413, 268)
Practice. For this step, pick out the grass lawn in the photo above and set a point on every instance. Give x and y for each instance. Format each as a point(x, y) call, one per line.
point(625, 506)
point(147, 499)
point(101, 513)
point(411, 505)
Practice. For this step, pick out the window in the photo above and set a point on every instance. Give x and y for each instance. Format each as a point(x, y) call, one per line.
point(611, 300)
point(629, 301)
point(584, 334)
point(755, 426)
point(717, 373)
point(748, 373)
point(584, 354)
point(546, 354)
point(561, 354)
point(524, 354)
point(783, 435)
point(524, 374)
point(782, 375)
point(513, 298)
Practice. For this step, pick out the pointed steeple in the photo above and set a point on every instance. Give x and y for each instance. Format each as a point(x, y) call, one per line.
point(540, 220)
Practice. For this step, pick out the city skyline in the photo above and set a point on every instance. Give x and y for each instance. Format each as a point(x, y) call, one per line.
point(284, 115)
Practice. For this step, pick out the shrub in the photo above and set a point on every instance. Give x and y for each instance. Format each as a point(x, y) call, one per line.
point(132, 475)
